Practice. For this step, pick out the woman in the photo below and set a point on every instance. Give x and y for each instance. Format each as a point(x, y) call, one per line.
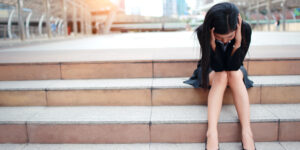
point(224, 40)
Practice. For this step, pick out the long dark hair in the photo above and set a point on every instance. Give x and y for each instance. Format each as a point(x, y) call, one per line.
point(224, 18)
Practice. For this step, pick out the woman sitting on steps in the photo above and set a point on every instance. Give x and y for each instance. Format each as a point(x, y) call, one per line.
point(224, 40)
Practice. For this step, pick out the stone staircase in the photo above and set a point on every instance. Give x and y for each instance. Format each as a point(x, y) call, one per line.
point(114, 69)
point(139, 105)
point(137, 102)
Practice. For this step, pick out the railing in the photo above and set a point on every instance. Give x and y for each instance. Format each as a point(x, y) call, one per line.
point(150, 26)
point(23, 19)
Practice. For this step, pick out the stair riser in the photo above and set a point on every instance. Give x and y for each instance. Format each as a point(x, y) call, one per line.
point(143, 97)
point(13, 133)
point(254, 67)
point(143, 69)
point(228, 132)
point(143, 133)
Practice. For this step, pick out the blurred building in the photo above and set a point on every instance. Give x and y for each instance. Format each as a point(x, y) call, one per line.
point(199, 3)
point(260, 13)
point(175, 8)
point(182, 8)
point(122, 4)
point(170, 8)
point(135, 11)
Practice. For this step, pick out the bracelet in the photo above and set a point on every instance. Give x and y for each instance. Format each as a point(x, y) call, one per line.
point(237, 46)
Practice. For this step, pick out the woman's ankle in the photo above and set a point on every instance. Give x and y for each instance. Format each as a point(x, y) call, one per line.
point(248, 140)
point(211, 132)
point(212, 139)
point(247, 131)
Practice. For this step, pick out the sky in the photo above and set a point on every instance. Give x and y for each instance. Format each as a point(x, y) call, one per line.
point(148, 7)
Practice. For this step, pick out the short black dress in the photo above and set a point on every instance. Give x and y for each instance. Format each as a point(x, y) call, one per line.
point(222, 60)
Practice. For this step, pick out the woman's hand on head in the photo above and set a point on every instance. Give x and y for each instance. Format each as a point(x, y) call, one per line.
point(212, 39)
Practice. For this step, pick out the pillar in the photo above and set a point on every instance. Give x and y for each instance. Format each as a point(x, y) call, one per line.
point(257, 13)
point(269, 14)
point(64, 17)
point(284, 14)
point(74, 20)
point(82, 20)
point(47, 12)
point(20, 20)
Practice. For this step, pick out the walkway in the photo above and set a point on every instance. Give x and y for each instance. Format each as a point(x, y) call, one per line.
point(145, 46)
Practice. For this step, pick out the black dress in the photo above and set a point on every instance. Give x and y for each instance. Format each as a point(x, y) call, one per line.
point(222, 60)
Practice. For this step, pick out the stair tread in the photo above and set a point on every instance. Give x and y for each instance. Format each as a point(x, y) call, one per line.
point(137, 83)
point(144, 46)
point(151, 146)
point(142, 114)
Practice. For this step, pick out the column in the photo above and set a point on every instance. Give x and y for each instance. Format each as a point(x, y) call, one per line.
point(64, 17)
point(257, 14)
point(284, 14)
point(82, 20)
point(87, 21)
point(20, 20)
point(109, 21)
point(74, 20)
point(90, 21)
point(269, 13)
point(47, 10)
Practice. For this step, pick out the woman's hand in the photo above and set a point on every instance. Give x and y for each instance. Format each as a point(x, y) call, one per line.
point(238, 35)
point(212, 39)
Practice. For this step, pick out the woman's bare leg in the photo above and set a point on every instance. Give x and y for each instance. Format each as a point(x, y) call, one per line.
point(218, 82)
point(241, 102)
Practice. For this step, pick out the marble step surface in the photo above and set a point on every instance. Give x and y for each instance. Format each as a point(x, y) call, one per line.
point(150, 146)
point(139, 92)
point(142, 124)
point(134, 69)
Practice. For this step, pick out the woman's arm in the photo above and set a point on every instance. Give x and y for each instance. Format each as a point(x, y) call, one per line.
point(238, 35)
point(216, 58)
point(216, 55)
point(237, 56)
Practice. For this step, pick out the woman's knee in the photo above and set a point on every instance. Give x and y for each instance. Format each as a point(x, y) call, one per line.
point(234, 76)
point(221, 77)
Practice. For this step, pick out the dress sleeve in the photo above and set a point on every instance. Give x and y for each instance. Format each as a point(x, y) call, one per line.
point(235, 61)
point(217, 59)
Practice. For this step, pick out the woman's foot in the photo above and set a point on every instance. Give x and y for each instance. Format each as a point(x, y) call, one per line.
point(247, 140)
point(212, 142)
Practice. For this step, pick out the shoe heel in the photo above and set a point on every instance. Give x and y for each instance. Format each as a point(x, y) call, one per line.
point(245, 149)
point(206, 144)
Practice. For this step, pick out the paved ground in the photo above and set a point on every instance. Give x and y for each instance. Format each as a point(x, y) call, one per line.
point(145, 46)
point(141, 83)
point(187, 114)
point(152, 146)
point(158, 115)
point(7, 43)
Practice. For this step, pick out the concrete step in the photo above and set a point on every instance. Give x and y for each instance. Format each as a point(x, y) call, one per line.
point(141, 92)
point(150, 146)
point(134, 69)
point(142, 124)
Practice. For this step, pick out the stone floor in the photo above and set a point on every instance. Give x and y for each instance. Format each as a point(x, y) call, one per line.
point(152, 146)
point(140, 83)
point(142, 114)
point(145, 46)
